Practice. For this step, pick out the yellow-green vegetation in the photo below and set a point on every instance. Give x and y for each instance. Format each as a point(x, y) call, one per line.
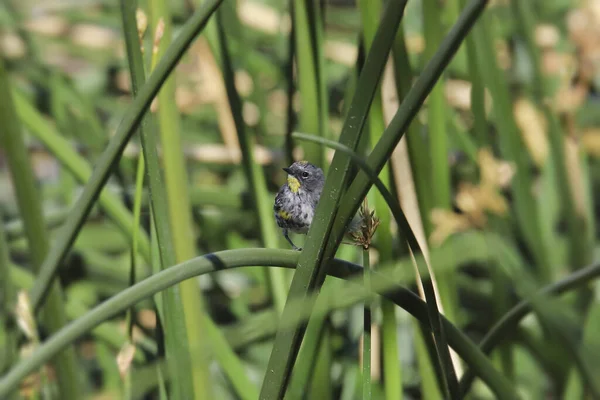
point(141, 147)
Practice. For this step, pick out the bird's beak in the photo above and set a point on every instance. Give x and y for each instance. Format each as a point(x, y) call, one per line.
point(289, 171)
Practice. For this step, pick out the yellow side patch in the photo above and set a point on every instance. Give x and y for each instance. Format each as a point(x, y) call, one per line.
point(293, 183)
point(284, 215)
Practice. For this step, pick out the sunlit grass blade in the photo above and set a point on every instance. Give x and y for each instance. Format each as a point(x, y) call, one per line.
point(176, 184)
point(311, 75)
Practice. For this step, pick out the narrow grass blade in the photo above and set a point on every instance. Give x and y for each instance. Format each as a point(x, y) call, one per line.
point(116, 145)
point(254, 174)
point(246, 258)
point(309, 58)
point(180, 218)
point(388, 142)
point(310, 272)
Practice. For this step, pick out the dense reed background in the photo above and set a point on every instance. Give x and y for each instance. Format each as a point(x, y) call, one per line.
point(141, 147)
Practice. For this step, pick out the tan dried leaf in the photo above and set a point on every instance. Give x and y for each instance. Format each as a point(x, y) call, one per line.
point(590, 140)
point(141, 21)
point(533, 126)
point(124, 358)
point(446, 223)
point(493, 172)
point(546, 35)
point(24, 316)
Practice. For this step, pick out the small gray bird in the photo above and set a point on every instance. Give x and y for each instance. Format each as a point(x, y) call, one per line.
point(297, 199)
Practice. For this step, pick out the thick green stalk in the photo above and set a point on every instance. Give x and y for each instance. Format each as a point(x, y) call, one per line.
point(117, 143)
point(170, 305)
point(436, 112)
point(30, 206)
point(385, 147)
point(477, 92)
point(311, 274)
point(411, 244)
point(370, 15)
point(437, 118)
point(383, 284)
point(190, 303)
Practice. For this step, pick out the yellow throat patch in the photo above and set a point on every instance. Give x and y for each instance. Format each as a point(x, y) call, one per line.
point(293, 183)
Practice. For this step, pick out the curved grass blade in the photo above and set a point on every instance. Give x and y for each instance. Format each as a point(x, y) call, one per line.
point(80, 168)
point(388, 142)
point(30, 208)
point(412, 243)
point(254, 173)
point(511, 319)
point(219, 261)
point(116, 145)
point(310, 273)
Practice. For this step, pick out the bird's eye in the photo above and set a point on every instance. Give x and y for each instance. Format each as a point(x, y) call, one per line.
point(305, 174)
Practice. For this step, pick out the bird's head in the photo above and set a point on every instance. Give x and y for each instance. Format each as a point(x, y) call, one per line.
point(304, 176)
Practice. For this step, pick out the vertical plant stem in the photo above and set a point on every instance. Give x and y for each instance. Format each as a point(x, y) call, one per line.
point(437, 117)
point(307, 27)
point(179, 208)
point(366, 348)
point(173, 312)
point(311, 274)
point(254, 173)
point(30, 207)
point(370, 15)
point(477, 92)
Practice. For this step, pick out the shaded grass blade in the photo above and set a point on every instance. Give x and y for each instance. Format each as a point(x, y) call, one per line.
point(382, 283)
point(30, 207)
point(254, 173)
point(116, 145)
point(310, 273)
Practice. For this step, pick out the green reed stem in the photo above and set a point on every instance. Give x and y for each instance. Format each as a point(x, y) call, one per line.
point(310, 274)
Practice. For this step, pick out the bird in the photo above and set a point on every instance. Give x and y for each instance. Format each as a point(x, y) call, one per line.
point(297, 199)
